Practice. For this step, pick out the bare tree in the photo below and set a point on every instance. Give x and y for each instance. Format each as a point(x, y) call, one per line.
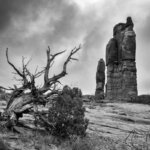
point(20, 101)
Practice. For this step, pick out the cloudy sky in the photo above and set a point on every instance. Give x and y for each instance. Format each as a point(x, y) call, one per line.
point(27, 27)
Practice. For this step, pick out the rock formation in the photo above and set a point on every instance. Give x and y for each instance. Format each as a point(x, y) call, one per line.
point(120, 62)
point(100, 80)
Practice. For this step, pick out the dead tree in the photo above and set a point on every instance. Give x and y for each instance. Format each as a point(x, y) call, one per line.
point(21, 102)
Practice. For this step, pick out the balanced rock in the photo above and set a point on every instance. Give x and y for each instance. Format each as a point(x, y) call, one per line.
point(120, 61)
point(100, 80)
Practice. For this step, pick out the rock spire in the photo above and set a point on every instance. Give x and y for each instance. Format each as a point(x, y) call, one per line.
point(120, 61)
point(100, 80)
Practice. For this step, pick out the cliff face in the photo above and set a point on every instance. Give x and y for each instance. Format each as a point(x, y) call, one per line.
point(100, 80)
point(120, 62)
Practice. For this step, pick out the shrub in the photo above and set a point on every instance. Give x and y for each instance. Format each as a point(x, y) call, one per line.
point(144, 99)
point(3, 146)
point(83, 144)
point(67, 115)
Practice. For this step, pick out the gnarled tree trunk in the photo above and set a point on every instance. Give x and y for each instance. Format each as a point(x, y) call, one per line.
point(21, 102)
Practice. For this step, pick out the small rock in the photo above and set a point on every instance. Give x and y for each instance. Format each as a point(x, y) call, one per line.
point(122, 113)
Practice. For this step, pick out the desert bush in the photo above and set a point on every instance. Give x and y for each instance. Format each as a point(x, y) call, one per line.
point(77, 92)
point(67, 116)
point(83, 144)
point(3, 146)
point(144, 99)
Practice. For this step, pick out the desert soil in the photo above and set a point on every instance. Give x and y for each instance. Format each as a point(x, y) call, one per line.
point(114, 121)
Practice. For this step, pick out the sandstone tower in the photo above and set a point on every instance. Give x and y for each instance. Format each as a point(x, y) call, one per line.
point(120, 62)
point(100, 80)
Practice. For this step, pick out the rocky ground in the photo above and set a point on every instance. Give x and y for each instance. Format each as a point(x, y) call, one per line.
point(112, 126)
point(117, 120)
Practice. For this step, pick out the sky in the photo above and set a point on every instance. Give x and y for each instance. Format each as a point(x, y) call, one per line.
point(28, 27)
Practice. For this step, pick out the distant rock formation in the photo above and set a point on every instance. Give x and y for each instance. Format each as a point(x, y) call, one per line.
point(120, 62)
point(100, 80)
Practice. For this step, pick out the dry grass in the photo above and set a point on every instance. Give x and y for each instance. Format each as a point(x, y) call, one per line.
point(135, 140)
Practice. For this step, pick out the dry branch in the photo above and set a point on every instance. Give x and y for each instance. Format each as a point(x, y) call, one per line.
point(50, 60)
point(19, 99)
point(17, 71)
point(1, 87)
point(55, 78)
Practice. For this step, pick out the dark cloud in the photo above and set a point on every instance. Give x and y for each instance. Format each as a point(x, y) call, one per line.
point(15, 19)
point(66, 24)
point(27, 27)
point(9, 10)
